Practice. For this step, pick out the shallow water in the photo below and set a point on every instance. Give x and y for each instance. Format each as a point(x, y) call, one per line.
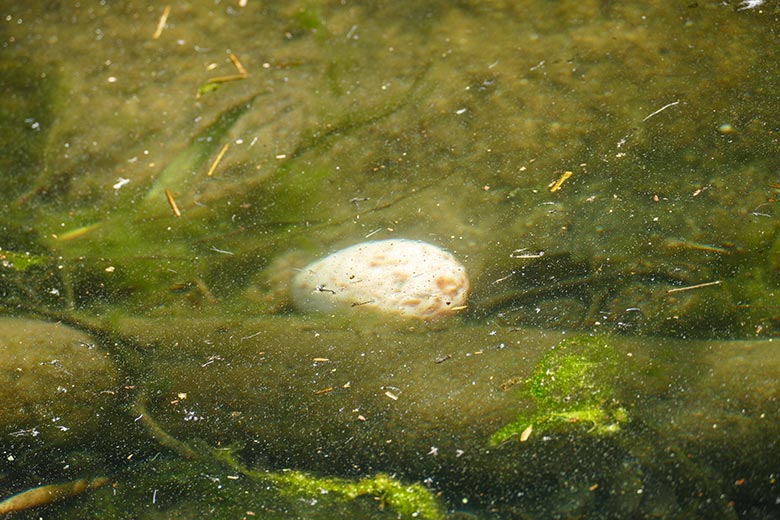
point(453, 123)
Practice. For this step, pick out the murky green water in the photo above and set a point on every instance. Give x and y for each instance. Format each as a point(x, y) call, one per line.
point(607, 173)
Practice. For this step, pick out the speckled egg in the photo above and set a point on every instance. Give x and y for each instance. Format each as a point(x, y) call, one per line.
point(396, 276)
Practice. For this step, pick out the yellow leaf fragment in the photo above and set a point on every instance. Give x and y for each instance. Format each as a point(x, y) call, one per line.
point(555, 186)
point(161, 23)
point(526, 433)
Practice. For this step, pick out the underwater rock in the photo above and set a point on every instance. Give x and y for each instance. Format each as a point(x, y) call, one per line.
point(421, 402)
point(56, 386)
point(397, 276)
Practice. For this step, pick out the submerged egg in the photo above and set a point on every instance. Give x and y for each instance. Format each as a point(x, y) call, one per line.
point(396, 276)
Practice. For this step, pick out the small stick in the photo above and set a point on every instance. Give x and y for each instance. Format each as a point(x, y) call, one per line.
point(240, 68)
point(688, 288)
point(555, 186)
point(47, 494)
point(218, 158)
point(680, 244)
point(225, 79)
point(161, 23)
point(520, 253)
point(76, 233)
point(172, 202)
point(212, 82)
point(661, 110)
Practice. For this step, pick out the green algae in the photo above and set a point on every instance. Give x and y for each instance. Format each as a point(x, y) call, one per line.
point(191, 161)
point(411, 500)
point(137, 252)
point(406, 500)
point(20, 262)
point(174, 488)
point(307, 18)
point(122, 255)
point(572, 385)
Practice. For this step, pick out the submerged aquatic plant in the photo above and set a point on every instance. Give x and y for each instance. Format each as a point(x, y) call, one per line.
point(407, 500)
point(572, 385)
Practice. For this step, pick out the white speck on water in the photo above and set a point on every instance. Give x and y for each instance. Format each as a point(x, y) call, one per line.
point(749, 4)
point(190, 415)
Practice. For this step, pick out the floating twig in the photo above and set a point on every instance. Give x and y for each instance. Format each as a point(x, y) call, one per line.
point(661, 110)
point(555, 186)
point(217, 159)
point(240, 68)
point(212, 83)
point(43, 495)
point(225, 79)
point(690, 287)
point(683, 244)
point(78, 232)
point(521, 253)
point(172, 203)
point(162, 22)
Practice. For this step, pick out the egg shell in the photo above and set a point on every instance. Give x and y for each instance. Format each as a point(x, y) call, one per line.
point(397, 276)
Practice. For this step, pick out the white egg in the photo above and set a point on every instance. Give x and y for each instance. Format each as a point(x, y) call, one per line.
point(396, 276)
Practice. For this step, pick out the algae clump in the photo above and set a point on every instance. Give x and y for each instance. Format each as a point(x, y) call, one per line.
point(571, 386)
point(406, 500)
